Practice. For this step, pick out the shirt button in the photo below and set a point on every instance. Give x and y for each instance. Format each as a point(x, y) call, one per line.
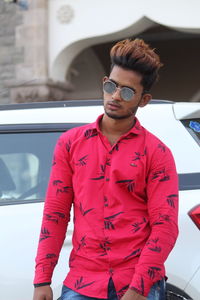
point(111, 271)
point(107, 179)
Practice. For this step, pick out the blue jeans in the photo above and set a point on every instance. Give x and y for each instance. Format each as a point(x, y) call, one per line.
point(157, 292)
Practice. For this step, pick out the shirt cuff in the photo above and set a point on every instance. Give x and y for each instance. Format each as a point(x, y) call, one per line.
point(141, 285)
point(41, 284)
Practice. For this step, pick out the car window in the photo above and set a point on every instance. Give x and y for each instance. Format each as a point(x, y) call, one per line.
point(25, 162)
point(193, 127)
point(20, 173)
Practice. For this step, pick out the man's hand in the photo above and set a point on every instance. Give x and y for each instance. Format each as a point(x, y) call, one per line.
point(132, 295)
point(43, 293)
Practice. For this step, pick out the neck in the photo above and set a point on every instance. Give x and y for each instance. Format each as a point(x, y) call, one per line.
point(116, 127)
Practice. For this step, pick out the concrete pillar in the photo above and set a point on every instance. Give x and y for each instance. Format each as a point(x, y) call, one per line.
point(32, 83)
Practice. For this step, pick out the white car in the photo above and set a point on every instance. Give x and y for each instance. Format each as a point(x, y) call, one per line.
point(28, 133)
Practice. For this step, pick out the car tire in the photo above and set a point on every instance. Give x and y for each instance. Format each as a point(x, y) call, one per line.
point(174, 293)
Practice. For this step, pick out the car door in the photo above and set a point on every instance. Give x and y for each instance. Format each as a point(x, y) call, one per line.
point(25, 161)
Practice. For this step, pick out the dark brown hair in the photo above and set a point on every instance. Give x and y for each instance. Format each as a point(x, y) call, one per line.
point(137, 56)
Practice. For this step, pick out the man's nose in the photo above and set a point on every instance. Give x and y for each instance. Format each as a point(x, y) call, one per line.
point(117, 94)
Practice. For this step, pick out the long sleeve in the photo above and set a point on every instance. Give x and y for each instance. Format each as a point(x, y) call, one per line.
point(56, 214)
point(162, 202)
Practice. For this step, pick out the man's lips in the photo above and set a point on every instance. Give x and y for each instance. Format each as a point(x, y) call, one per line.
point(113, 105)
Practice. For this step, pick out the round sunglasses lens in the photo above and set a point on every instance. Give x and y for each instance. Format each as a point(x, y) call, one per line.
point(109, 87)
point(127, 94)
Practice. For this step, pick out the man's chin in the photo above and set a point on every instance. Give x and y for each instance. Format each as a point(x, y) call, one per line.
point(116, 116)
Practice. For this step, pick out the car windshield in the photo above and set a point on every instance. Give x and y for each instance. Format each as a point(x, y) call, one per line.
point(25, 161)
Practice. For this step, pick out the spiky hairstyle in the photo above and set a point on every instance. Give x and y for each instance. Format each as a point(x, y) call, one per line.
point(137, 56)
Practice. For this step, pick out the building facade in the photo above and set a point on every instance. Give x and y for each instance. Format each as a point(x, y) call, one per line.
point(59, 49)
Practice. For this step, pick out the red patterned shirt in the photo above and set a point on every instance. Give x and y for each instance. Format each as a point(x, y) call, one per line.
point(125, 201)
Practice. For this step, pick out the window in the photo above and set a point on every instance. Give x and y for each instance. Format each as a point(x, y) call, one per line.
point(25, 162)
point(193, 127)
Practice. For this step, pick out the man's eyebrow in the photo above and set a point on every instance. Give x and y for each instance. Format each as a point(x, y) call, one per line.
point(117, 84)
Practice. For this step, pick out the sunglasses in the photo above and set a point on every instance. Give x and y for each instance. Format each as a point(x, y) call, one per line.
point(126, 93)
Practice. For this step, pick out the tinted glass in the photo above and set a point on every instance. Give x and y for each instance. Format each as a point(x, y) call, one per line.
point(193, 127)
point(25, 162)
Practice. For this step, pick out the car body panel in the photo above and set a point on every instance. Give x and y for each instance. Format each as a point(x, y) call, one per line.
point(191, 288)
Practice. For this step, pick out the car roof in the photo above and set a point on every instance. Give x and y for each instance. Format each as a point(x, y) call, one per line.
point(70, 112)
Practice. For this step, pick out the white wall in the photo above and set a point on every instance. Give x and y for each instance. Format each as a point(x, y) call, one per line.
point(76, 24)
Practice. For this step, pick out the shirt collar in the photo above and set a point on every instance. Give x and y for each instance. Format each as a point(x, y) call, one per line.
point(136, 129)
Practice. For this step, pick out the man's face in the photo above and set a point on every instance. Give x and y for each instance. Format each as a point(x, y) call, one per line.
point(117, 108)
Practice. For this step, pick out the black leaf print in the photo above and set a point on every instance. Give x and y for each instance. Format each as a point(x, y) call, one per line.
point(108, 221)
point(61, 189)
point(82, 161)
point(134, 253)
point(113, 216)
point(162, 147)
point(45, 234)
point(84, 212)
point(103, 168)
point(108, 162)
point(109, 225)
point(59, 214)
point(51, 255)
point(139, 155)
point(122, 291)
point(68, 145)
point(128, 183)
point(171, 198)
point(89, 133)
point(87, 211)
point(153, 245)
point(51, 218)
point(71, 260)
point(101, 173)
point(137, 225)
point(165, 178)
point(57, 182)
point(105, 201)
point(97, 178)
point(155, 249)
point(152, 271)
point(104, 246)
point(157, 174)
point(82, 243)
point(64, 189)
point(142, 285)
point(79, 284)
point(161, 175)
point(162, 219)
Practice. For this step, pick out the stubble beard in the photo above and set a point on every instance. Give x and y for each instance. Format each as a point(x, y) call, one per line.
point(130, 113)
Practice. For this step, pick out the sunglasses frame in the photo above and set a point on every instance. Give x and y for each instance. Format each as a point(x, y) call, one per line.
point(121, 90)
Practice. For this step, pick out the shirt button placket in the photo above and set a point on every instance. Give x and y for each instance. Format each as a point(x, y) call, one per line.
point(107, 179)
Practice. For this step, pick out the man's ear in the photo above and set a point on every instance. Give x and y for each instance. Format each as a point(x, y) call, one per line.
point(104, 79)
point(145, 100)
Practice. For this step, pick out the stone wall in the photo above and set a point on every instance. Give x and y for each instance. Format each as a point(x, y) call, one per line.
point(24, 75)
point(11, 16)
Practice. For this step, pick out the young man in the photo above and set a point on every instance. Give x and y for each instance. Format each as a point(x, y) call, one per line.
point(122, 183)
